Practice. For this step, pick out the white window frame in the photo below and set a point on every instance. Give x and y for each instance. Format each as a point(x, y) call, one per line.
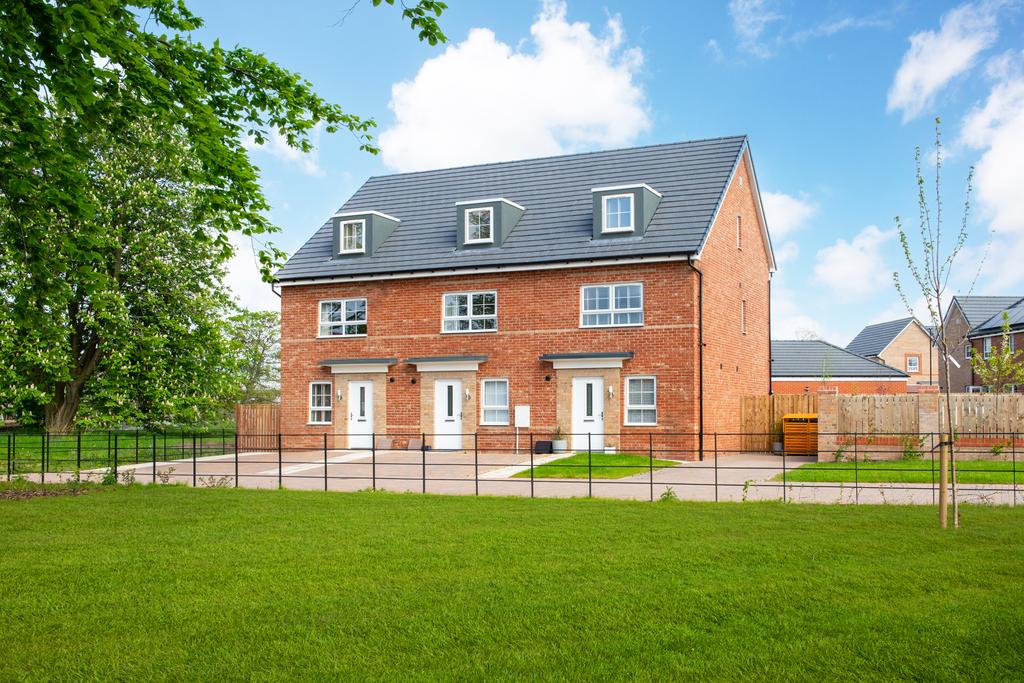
point(320, 318)
point(329, 408)
point(612, 310)
point(629, 406)
point(917, 362)
point(469, 316)
point(986, 345)
point(362, 237)
point(490, 225)
point(484, 407)
point(968, 347)
point(632, 212)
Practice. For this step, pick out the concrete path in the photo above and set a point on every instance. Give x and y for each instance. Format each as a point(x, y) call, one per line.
point(735, 477)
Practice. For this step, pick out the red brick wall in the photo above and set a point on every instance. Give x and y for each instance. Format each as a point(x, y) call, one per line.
point(736, 364)
point(538, 312)
point(865, 387)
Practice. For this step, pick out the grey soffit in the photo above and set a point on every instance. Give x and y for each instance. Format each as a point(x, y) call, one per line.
point(873, 339)
point(625, 355)
point(978, 310)
point(557, 225)
point(446, 359)
point(994, 325)
point(359, 361)
point(813, 358)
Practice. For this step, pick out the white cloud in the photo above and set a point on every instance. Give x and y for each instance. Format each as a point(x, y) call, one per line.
point(786, 213)
point(786, 252)
point(244, 279)
point(276, 145)
point(937, 57)
point(856, 269)
point(482, 100)
point(750, 18)
point(790, 319)
point(716, 51)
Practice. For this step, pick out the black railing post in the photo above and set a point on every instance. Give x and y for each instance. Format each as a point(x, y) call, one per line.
point(194, 475)
point(8, 435)
point(531, 464)
point(931, 453)
point(78, 449)
point(373, 441)
point(590, 469)
point(136, 446)
point(783, 475)
point(1013, 454)
point(476, 462)
point(373, 469)
point(856, 472)
point(42, 458)
point(14, 452)
point(153, 440)
point(115, 455)
point(650, 458)
point(716, 465)
point(46, 451)
point(280, 462)
point(236, 458)
point(423, 460)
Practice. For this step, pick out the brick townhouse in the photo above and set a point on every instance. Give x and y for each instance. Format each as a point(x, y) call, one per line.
point(615, 293)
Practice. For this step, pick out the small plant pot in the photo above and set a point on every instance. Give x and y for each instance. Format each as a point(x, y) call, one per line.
point(560, 445)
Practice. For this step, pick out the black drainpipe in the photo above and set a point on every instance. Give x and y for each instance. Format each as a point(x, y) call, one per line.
point(770, 336)
point(700, 351)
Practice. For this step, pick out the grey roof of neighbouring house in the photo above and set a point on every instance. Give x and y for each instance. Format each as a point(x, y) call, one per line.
point(558, 223)
point(995, 324)
point(812, 358)
point(979, 309)
point(873, 339)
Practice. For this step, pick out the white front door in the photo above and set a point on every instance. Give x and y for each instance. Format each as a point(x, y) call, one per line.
point(360, 414)
point(587, 413)
point(448, 414)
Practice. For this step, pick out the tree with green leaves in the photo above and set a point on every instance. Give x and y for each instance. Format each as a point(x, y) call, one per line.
point(123, 174)
point(931, 263)
point(1003, 368)
point(256, 347)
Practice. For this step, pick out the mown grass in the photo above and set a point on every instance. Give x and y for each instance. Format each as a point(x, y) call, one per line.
point(906, 472)
point(172, 583)
point(598, 465)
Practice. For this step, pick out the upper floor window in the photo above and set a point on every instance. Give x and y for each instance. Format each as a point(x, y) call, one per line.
point(641, 401)
point(913, 364)
point(618, 213)
point(343, 318)
point(495, 401)
point(967, 350)
point(478, 225)
point(987, 346)
point(470, 312)
point(612, 305)
point(353, 237)
point(320, 403)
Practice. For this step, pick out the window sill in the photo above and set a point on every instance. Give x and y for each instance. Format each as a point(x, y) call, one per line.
point(639, 424)
point(319, 424)
point(494, 424)
point(614, 231)
point(469, 331)
point(605, 327)
point(341, 336)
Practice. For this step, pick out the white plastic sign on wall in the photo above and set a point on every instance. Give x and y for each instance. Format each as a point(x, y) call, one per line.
point(523, 416)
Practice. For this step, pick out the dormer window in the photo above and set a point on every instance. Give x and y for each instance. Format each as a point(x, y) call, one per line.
point(353, 237)
point(478, 225)
point(618, 213)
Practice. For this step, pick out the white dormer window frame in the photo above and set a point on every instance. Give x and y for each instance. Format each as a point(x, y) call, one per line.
point(342, 237)
point(604, 213)
point(489, 210)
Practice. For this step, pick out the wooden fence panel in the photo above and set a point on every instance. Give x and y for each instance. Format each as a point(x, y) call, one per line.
point(985, 413)
point(761, 417)
point(257, 425)
point(878, 414)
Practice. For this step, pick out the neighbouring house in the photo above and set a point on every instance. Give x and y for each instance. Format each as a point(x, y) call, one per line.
point(987, 338)
point(612, 293)
point(806, 366)
point(904, 344)
point(964, 314)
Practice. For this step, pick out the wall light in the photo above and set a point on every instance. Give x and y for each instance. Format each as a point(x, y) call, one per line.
point(611, 391)
point(467, 394)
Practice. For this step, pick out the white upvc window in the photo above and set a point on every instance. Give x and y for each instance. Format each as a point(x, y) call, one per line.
point(641, 401)
point(617, 213)
point(353, 237)
point(479, 228)
point(320, 407)
point(987, 344)
point(470, 312)
point(913, 364)
point(1010, 342)
point(343, 318)
point(494, 405)
point(612, 305)
point(967, 349)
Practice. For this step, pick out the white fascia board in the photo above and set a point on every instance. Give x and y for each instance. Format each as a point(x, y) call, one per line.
point(491, 200)
point(448, 366)
point(484, 270)
point(840, 379)
point(347, 214)
point(586, 363)
point(632, 186)
point(358, 368)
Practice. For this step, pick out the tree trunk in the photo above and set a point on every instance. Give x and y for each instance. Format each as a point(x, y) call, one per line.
point(60, 412)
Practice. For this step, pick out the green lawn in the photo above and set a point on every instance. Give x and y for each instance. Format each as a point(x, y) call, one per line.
point(172, 583)
point(907, 472)
point(601, 465)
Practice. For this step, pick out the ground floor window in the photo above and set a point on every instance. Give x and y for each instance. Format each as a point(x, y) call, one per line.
point(495, 401)
point(641, 401)
point(320, 403)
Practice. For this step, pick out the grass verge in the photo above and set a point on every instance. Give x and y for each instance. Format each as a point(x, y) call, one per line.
point(172, 583)
point(598, 465)
point(906, 472)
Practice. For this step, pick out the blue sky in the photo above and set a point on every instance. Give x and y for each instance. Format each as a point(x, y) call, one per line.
point(834, 96)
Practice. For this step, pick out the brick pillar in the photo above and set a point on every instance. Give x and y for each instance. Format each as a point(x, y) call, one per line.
point(828, 424)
